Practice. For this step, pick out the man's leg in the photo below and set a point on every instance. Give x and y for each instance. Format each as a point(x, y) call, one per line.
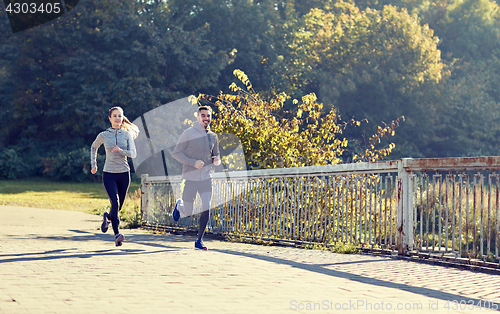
point(203, 221)
point(205, 190)
point(188, 196)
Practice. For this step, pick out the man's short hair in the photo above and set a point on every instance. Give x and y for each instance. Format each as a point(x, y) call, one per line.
point(200, 108)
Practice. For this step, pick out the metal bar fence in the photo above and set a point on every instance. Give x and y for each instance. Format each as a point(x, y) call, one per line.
point(448, 206)
point(457, 214)
point(310, 207)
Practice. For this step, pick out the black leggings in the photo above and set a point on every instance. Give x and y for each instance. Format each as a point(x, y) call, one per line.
point(116, 185)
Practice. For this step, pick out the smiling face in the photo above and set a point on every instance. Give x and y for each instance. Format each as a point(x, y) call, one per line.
point(204, 118)
point(116, 118)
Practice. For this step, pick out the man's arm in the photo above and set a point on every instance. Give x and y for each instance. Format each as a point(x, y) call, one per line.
point(216, 152)
point(179, 150)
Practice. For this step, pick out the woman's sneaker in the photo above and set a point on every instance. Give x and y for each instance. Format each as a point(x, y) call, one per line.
point(199, 245)
point(119, 239)
point(105, 222)
point(176, 214)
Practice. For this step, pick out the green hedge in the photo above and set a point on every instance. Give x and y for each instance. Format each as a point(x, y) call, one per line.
point(62, 161)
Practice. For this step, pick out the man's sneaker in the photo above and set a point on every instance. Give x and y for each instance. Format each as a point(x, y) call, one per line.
point(199, 245)
point(119, 239)
point(105, 222)
point(176, 214)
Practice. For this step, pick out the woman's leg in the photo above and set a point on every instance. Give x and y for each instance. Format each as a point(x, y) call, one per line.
point(123, 184)
point(111, 186)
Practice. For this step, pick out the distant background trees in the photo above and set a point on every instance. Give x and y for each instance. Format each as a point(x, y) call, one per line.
point(436, 63)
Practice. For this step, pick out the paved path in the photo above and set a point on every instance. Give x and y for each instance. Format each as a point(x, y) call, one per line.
point(59, 262)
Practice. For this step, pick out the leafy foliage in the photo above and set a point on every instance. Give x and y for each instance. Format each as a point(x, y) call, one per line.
point(273, 139)
point(249, 33)
point(433, 62)
point(342, 51)
point(11, 165)
point(65, 76)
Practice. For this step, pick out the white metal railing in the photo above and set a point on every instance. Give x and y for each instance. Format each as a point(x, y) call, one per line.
point(445, 205)
point(454, 204)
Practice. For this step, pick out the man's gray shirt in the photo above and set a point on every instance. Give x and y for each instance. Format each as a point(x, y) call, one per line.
point(194, 145)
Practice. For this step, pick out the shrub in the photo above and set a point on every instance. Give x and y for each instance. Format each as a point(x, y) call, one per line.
point(74, 165)
point(11, 165)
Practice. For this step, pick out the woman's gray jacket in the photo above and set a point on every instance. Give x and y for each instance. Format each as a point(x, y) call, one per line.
point(116, 162)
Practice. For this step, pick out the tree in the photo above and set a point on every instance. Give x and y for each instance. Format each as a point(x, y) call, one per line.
point(470, 29)
point(466, 28)
point(466, 122)
point(64, 76)
point(272, 138)
point(60, 79)
point(366, 63)
point(249, 33)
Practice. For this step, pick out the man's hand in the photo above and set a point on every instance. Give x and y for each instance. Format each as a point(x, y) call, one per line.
point(216, 160)
point(93, 170)
point(198, 164)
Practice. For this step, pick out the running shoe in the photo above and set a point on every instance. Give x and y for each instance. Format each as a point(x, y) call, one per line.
point(199, 245)
point(176, 214)
point(119, 239)
point(105, 222)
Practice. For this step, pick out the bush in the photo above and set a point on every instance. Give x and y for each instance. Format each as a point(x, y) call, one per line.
point(11, 165)
point(74, 165)
point(59, 160)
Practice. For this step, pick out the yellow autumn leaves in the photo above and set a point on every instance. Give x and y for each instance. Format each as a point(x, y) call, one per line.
point(274, 138)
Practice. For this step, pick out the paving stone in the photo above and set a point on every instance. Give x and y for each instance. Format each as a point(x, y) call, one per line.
point(55, 261)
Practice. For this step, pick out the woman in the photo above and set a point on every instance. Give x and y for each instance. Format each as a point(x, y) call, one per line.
point(119, 144)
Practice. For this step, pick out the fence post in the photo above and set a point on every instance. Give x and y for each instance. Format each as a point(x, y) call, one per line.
point(144, 197)
point(405, 209)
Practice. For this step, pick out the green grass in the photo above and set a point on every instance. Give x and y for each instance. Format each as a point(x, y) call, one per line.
point(89, 197)
point(345, 248)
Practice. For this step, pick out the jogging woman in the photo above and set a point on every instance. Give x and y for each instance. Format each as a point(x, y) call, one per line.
point(119, 144)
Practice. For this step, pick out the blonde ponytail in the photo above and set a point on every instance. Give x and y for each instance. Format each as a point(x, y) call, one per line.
point(130, 127)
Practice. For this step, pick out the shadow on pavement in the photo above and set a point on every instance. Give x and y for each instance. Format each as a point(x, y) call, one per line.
point(352, 262)
point(362, 279)
point(89, 254)
point(140, 239)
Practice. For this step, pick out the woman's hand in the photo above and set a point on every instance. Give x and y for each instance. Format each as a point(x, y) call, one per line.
point(93, 170)
point(115, 149)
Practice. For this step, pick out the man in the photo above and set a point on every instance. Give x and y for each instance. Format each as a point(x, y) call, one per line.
point(198, 151)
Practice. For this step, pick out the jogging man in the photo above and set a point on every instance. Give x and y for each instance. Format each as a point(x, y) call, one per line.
point(198, 151)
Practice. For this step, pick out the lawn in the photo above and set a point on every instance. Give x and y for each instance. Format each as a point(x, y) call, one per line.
point(89, 197)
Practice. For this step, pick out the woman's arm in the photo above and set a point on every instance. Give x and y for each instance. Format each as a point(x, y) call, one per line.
point(130, 150)
point(93, 150)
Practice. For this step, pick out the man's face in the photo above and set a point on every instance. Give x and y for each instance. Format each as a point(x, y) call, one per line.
point(204, 118)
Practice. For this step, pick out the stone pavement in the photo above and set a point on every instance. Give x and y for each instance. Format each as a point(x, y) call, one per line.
point(59, 262)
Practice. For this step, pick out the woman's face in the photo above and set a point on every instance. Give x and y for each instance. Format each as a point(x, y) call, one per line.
point(116, 119)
